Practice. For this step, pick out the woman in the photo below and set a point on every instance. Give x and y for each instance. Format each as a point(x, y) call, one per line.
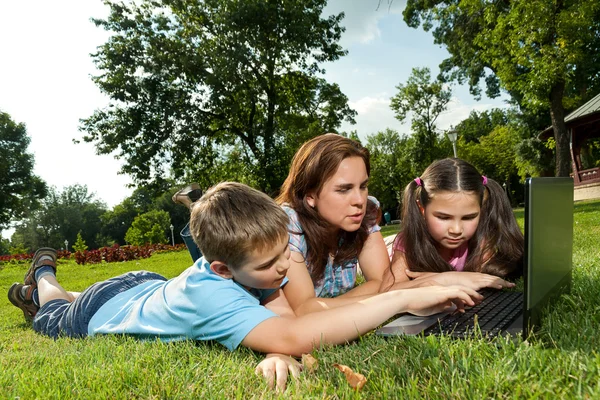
point(333, 225)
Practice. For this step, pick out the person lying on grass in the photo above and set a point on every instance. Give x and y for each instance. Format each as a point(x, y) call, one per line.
point(458, 227)
point(231, 295)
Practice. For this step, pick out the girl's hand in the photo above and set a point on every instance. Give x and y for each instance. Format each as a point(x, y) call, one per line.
point(434, 299)
point(473, 280)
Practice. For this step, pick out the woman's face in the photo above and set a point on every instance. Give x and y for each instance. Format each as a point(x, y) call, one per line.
point(343, 199)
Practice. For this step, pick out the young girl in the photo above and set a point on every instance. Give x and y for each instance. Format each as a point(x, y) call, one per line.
point(333, 225)
point(458, 228)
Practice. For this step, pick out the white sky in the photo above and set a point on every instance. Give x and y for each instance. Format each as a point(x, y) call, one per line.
point(45, 71)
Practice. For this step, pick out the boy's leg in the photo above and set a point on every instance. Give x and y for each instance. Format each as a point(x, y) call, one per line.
point(74, 295)
point(49, 289)
point(25, 296)
point(186, 235)
point(61, 317)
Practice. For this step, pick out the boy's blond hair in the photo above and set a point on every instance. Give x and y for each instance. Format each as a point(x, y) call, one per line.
point(232, 220)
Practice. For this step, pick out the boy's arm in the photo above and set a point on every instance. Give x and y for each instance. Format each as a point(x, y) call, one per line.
point(297, 335)
point(275, 367)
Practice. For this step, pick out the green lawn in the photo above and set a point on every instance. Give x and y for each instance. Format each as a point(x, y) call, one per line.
point(561, 361)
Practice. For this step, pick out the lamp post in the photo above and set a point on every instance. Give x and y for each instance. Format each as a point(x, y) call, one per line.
point(453, 136)
point(66, 245)
point(172, 235)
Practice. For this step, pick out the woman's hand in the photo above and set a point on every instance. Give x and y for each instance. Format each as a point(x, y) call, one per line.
point(473, 280)
point(275, 369)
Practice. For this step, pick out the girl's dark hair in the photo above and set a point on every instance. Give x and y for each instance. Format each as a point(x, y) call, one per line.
point(313, 164)
point(496, 247)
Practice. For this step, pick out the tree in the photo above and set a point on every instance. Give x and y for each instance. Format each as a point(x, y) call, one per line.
point(150, 227)
point(187, 77)
point(20, 189)
point(61, 217)
point(546, 54)
point(389, 170)
point(424, 100)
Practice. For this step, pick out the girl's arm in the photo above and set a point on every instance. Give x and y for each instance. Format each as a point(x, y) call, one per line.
point(399, 279)
point(297, 335)
point(402, 276)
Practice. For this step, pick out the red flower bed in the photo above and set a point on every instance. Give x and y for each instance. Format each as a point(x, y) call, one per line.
point(115, 253)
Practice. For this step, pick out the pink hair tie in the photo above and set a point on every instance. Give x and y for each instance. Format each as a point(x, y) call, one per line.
point(418, 181)
point(484, 179)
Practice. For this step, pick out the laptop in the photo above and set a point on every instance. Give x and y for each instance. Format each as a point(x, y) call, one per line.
point(546, 273)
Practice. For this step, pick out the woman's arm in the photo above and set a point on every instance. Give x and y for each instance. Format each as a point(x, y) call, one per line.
point(300, 291)
point(374, 261)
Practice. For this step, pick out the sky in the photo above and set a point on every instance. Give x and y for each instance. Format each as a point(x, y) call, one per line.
point(45, 70)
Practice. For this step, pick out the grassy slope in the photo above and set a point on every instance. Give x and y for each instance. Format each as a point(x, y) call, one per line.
point(560, 362)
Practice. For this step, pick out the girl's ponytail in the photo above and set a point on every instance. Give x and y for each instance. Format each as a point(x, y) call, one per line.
point(500, 240)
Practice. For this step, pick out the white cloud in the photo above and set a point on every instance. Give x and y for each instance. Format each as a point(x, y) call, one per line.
point(361, 18)
point(375, 115)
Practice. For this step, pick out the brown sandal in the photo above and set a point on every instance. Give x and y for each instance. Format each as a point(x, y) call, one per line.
point(37, 263)
point(26, 303)
point(188, 195)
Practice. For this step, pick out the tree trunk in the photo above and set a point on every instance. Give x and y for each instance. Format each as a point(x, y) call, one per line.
point(561, 135)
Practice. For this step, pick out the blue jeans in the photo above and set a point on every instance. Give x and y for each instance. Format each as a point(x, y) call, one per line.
point(189, 243)
point(63, 318)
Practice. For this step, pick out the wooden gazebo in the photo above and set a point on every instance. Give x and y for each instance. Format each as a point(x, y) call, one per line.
point(582, 124)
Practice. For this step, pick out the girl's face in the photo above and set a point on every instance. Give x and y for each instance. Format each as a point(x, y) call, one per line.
point(452, 217)
point(343, 198)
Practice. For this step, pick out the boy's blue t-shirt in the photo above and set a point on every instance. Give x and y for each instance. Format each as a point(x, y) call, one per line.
point(197, 304)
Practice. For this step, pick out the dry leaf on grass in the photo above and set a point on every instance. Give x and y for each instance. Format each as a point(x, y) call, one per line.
point(309, 362)
point(355, 380)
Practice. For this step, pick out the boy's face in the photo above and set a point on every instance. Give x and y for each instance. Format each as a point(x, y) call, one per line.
point(265, 269)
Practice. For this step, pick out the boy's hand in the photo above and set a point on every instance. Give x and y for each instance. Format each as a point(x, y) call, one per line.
point(473, 280)
point(430, 300)
point(275, 368)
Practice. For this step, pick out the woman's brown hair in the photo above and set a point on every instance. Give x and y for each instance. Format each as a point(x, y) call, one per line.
point(313, 164)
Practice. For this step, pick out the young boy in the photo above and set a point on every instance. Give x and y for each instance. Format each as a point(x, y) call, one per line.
point(232, 294)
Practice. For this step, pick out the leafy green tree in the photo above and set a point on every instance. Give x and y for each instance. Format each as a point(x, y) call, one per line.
point(186, 78)
point(79, 244)
point(4, 246)
point(150, 227)
point(480, 124)
point(61, 216)
point(424, 100)
point(546, 54)
point(389, 170)
point(20, 189)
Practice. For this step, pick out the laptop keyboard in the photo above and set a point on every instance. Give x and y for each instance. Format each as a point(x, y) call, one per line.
point(495, 313)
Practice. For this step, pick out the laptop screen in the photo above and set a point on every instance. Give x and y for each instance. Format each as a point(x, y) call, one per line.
point(548, 241)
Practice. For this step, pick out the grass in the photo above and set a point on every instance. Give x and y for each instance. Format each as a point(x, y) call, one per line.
point(560, 361)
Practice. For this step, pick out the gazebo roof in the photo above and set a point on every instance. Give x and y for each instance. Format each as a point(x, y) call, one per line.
point(591, 107)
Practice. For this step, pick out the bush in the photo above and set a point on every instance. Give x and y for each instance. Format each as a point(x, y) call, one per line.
point(149, 228)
